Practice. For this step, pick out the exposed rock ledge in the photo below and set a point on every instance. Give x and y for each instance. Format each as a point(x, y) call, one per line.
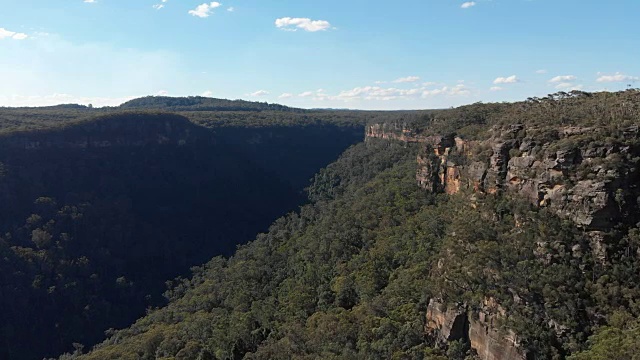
point(583, 184)
point(479, 330)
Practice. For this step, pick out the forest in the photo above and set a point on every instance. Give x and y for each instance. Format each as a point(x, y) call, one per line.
point(112, 207)
point(98, 213)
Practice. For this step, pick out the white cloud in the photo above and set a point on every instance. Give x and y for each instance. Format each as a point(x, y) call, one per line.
point(90, 1)
point(386, 94)
point(563, 79)
point(617, 77)
point(506, 80)
point(468, 4)
point(568, 86)
point(408, 79)
point(160, 6)
point(377, 93)
point(205, 10)
point(495, 88)
point(207, 93)
point(306, 24)
point(259, 93)
point(306, 94)
point(20, 36)
point(373, 97)
point(162, 93)
point(541, 71)
point(458, 90)
point(231, 9)
point(4, 33)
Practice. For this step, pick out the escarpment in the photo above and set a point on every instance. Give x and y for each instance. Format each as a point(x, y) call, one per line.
point(592, 182)
point(586, 175)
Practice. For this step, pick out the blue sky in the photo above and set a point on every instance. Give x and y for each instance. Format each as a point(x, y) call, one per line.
point(408, 54)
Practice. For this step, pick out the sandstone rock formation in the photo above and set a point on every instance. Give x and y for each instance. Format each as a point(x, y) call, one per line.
point(581, 183)
point(478, 329)
point(580, 177)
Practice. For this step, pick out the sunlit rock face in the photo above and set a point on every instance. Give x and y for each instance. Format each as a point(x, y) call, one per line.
point(586, 184)
point(480, 329)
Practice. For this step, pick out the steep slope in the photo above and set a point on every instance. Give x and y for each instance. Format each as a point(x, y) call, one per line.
point(97, 215)
point(400, 257)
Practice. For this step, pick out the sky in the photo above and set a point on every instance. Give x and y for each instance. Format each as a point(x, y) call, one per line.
point(373, 54)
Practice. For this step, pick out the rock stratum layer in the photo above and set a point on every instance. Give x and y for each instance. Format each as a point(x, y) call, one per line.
point(587, 182)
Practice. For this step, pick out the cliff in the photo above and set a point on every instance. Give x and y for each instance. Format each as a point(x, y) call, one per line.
point(592, 182)
point(587, 175)
point(480, 330)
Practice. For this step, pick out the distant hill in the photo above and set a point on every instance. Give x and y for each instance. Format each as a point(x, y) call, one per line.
point(199, 103)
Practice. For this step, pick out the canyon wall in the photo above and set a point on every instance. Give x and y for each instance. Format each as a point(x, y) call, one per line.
point(576, 172)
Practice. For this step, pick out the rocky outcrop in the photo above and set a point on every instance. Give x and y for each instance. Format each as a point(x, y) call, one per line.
point(590, 178)
point(479, 329)
point(446, 324)
point(577, 182)
point(490, 343)
point(393, 131)
point(405, 133)
point(589, 183)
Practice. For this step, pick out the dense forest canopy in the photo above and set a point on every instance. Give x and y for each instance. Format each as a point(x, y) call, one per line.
point(207, 112)
point(602, 110)
point(355, 272)
point(96, 214)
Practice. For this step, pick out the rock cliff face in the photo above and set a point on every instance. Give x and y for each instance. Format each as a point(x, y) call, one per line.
point(587, 183)
point(592, 182)
point(403, 132)
point(479, 329)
